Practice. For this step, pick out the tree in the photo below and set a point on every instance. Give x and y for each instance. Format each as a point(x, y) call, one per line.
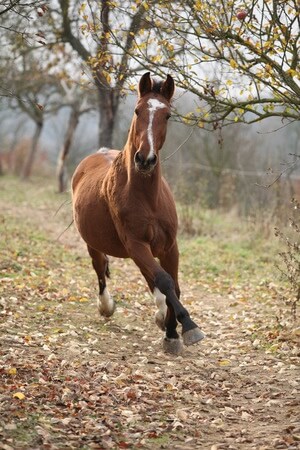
point(78, 106)
point(242, 64)
point(15, 13)
point(86, 29)
point(34, 94)
point(9, 141)
point(17, 21)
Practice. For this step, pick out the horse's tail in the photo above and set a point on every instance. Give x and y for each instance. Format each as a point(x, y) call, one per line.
point(107, 271)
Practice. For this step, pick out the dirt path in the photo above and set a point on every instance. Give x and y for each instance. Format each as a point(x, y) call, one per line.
point(70, 379)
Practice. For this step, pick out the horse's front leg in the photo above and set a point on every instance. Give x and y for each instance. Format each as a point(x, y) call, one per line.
point(160, 300)
point(161, 280)
point(165, 317)
point(190, 331)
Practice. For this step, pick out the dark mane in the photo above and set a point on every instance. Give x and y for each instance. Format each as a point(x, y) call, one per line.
point(156, 86)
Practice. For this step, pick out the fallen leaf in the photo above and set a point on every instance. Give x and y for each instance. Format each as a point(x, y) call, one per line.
point(19, 395)
point(246, 416)
point(182, 415)
point(224, 362)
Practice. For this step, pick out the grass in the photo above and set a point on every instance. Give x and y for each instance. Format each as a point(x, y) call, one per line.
point(229, 256)
point(217, 257)
point(223, 247)
point(37, 192)
point(228, 250)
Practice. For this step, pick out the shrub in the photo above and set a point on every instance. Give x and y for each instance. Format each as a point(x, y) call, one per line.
point(290, 258)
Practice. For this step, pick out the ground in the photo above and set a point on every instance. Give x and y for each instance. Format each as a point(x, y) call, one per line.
point(73, 380)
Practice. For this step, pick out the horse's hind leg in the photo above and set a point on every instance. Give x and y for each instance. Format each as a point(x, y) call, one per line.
point(105, 303)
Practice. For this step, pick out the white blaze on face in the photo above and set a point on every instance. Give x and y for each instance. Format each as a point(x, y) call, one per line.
point(154, 105)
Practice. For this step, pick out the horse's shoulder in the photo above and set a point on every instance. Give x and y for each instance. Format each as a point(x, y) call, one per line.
point(95, 163)
point(167, 195)
point(165, 185)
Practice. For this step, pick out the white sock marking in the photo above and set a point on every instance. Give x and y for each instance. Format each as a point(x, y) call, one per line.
point(154, 105)
point(160, 300)
point(106, 304)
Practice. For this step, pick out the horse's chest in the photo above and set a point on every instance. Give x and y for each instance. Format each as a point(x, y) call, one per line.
point(138, 218)
point(160, 234)
point(161, 239)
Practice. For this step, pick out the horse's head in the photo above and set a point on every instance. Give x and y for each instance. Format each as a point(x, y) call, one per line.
point(149, 124)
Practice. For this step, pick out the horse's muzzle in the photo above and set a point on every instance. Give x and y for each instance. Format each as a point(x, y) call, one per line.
point(143, 164)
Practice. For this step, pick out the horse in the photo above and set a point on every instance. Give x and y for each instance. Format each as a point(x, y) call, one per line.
point(123, 207)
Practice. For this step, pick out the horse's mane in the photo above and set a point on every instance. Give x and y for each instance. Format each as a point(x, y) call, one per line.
point(156, 86)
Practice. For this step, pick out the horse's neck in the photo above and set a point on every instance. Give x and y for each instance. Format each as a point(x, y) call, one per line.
point(147, 185)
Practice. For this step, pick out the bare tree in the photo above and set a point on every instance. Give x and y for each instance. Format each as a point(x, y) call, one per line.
point(16, 14)
point(34, 93)
point(108, 67)
point(20, 31)
point(78, 106)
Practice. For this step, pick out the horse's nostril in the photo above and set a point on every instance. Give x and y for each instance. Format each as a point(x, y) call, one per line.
point(138, 158)
point(145, 163)
point(153, 160)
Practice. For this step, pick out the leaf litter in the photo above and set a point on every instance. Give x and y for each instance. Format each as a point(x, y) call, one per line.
point(70, 379)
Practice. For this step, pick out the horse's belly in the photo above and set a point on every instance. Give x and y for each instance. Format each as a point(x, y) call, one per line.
point(96, 227)
point(91, 213)
point(98, 231)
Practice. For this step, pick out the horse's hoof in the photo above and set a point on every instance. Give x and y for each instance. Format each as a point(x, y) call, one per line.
point(173, 346)
point(190, 337)
point(160, 320)
point(106, 308)
point(106, 313)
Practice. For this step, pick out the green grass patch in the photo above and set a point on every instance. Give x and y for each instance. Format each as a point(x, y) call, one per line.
point(238, 261)
point(222, 248)
point(38, 192)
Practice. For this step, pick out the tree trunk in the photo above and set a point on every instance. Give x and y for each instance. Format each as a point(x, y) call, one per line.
point(108, 96)
point(107, 117)
point(62, 158)
point(27, 168)
point(1, 166)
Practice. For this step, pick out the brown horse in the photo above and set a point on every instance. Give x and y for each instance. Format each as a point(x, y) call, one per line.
point(123, 207)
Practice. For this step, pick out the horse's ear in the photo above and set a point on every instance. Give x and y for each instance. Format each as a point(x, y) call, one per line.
point(168, 88)
point(145, 85)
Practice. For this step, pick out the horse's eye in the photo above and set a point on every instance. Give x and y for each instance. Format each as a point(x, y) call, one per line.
point(136, 111)
point(168, 116)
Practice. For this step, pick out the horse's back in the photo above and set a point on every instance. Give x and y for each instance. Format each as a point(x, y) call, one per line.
point(91, 210)
point(92, 169)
